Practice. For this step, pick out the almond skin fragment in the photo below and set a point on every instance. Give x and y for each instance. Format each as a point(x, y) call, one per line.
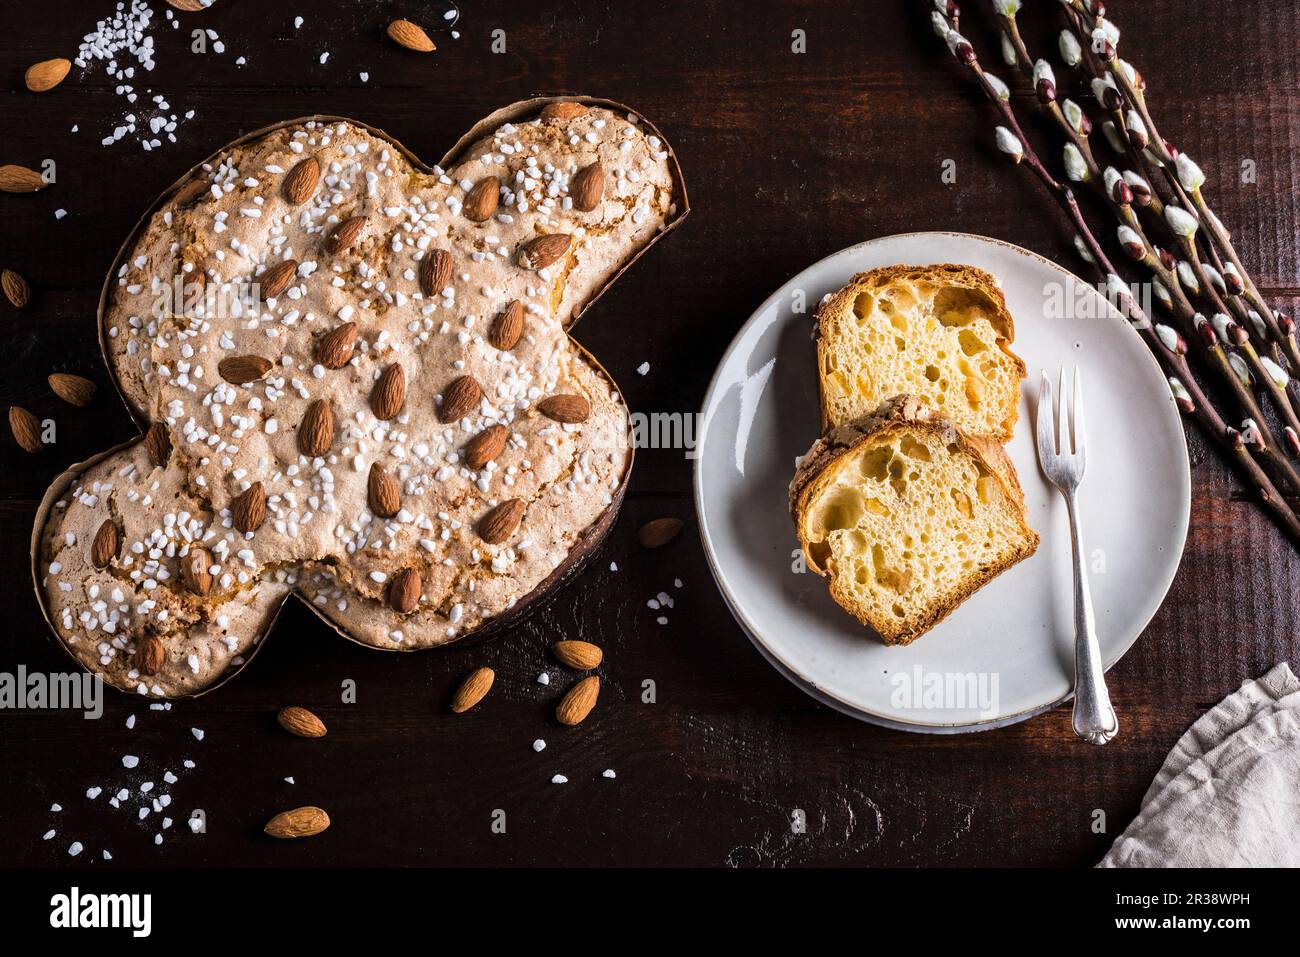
point(73, 389)
point(104, 550)
point(316, 434)
point(406, 34)
point(485, 446)
point(335, 348)
point(500, 523)
point(46, 75)
point(481, 201)
point(389, 393)
point(544, 251)
point(248, 511)
point(582, 655)
point(300, 822)
point(563, 111)
point(588, 187)
point(158, 444)
point(191, 191)
point(460, 399)
point(405, 590)
point(301, 722)
point(16, 289)
point(150, 655)
point(659, 532)
point(578, 701)
point(344, 234)
point(435, 271)
point(509, 326)
point(20, 179)
point(240, 370)
point(382, 493)
point(26, 429)
point(472, 690)
point(278, 278)
point(570, 409)
point(301, 182)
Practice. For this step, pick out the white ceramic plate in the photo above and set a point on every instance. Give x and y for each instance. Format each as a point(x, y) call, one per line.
point(1008, 652)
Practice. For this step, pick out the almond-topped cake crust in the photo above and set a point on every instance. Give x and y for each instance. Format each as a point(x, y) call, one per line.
point(381, 417)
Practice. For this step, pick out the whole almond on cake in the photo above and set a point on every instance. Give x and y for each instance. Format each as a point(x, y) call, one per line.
point(435, 271)
point(345, 234)
point(564, 111)
point(588, 187)
point(544, 251)
point(481, 201)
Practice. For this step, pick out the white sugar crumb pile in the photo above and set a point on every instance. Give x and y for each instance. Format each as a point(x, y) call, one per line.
point(137, 786)
point(124, 46)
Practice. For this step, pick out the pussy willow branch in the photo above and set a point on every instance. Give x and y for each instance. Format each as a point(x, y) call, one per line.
point(1118, 191)
point(1168, 347)
point(1044, 82)
point(1183, 175)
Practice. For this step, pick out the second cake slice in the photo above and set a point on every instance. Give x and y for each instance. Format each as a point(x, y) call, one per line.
point(907, 517)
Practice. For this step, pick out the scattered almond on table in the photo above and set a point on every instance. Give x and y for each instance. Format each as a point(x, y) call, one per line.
point(578, 701)
point(406, 34)
point(301, 722)
point(582, 655)
point(472, 690)
point(46, 75)
point(300, 822)
point(659, 532)
point(74, 389)
point(26, 429)
point(16, 289)
point(20, 179)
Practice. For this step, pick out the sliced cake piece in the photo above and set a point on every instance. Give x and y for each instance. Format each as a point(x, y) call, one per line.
point(907, 517)
point(941, 333)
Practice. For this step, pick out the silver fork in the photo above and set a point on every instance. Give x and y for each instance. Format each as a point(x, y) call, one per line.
point(1063, 462)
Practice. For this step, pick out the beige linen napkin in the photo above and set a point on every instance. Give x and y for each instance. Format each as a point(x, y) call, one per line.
point(1228, 795)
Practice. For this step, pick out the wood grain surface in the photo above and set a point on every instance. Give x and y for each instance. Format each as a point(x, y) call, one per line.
point(788, 158)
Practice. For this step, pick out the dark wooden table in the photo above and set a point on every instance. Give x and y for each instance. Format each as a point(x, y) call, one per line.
point(788, 157)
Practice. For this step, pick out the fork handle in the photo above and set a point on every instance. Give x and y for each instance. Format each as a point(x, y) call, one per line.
point(1094, 718)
